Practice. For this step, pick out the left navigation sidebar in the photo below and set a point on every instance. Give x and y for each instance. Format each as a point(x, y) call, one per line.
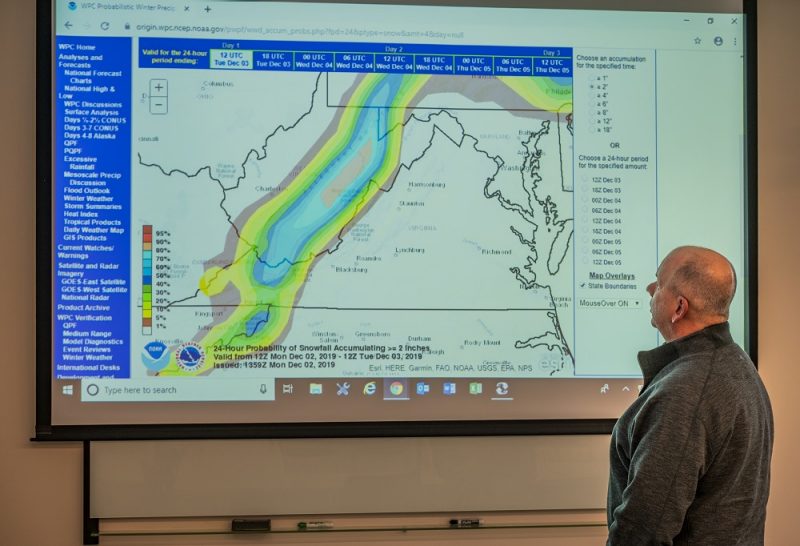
point(91, 214)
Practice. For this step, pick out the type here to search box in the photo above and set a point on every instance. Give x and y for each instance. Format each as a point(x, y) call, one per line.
point(183, 389)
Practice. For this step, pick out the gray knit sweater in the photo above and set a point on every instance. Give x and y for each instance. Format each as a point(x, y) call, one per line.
point(690, 458)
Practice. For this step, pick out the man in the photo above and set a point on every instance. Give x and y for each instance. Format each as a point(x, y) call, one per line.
point(690, 458)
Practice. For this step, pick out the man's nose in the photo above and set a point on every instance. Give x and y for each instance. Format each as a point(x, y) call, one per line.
point(651, 288)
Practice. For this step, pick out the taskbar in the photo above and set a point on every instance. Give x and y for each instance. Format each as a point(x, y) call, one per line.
point(253, 389)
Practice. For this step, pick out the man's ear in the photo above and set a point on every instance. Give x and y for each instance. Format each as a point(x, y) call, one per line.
point(681, 309)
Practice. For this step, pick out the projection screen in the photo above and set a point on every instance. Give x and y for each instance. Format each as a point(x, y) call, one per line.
point(272, 219)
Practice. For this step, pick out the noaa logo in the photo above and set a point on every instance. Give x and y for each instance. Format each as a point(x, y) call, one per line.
point(155, 356)
point(73, 6)
point(190, 356)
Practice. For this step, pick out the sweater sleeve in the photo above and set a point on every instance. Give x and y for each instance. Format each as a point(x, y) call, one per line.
point(668, 456)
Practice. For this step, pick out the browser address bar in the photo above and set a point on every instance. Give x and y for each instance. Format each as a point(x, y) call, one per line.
point(314, 32)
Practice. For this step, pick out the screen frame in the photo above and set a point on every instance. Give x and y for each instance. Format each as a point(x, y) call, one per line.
point(46, 431)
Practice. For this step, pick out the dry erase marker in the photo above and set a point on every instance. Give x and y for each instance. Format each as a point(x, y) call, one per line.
point(314, 525)
point(473, 522)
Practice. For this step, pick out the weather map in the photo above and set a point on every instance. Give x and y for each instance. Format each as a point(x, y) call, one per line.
point(356, 220)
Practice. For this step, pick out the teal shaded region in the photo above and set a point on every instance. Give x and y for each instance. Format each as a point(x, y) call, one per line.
point(326, 197)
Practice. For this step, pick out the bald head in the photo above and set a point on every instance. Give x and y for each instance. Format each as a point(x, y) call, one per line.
point(706, 278)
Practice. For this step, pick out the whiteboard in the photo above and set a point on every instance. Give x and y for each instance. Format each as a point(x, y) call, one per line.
point(178, 478)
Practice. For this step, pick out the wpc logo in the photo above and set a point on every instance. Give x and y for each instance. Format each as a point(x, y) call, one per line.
point(72, 6)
